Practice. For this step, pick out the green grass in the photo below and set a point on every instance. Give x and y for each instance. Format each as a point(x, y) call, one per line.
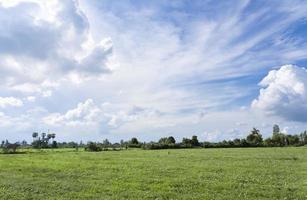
point(251, 173)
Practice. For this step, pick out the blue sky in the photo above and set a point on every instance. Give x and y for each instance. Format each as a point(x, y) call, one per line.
point(89, 70)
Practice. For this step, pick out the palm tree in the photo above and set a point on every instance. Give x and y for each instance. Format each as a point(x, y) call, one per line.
point(34, 135)
point(53, 136)
point(43, 136)
point(255, 131)
point(49, 136)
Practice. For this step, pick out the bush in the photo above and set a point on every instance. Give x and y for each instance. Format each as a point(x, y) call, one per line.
point(92, 146)
point(10, 148)
point(153, 145)
point(54, 144)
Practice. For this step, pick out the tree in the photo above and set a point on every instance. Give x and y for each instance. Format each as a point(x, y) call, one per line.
point(163, 140)
point(171, 140)
point(43, 141)
point(49, 136)
point(276, 129)
point(194, 141)
point(303, 138)
point(43, 136)
point(237, 142)
point(24, 143)
point(122, 143)
point(244, 142)
point(53, 136)
point(279, 140)
point(34, 135)
point(293, 140)
point(186, 142)
point(54, 144)
point(268, 142)
point(92, 146)
point(37, 144)
point(134, 141)
point(10, 148)
point(106, 144)
point(255, 138)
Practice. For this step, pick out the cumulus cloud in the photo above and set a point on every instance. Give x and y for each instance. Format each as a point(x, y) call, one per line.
point(283, 93)
point(10, 101)
point(13, 122)
point(45, 42)
point(86, 113)
point(133, 114)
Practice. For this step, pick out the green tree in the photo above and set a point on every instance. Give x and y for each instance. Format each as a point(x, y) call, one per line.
point(268, 142)
point(237, 142)
point(43, 136)
point(54, 144)
point(186, 142)
point(163, 140)
point(194, 141)
point(49, 136)
point(92, 146)
point(279, 140)
point(303, 138)
point(134, 141)
point(34, 135)
point(171, 140)
point(293, 140)
point(276, 129)
point(10, 148)
point(254, 138)
point(53, 136)
point(106, 144)
point(167, 140)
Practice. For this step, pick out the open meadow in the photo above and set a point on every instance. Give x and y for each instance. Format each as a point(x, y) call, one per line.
point(250, 173)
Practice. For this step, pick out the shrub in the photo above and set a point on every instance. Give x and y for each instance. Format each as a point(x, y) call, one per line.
point(10, 148)
point(92, 146)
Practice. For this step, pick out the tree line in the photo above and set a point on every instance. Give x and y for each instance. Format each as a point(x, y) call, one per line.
point(253, 139)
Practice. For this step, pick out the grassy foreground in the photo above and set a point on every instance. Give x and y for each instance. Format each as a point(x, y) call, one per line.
point(251, 173)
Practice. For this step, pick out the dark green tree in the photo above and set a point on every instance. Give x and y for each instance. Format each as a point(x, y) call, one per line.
point(276, 129)
point(186, 142)
point(194, 141)
point(34, 135)
point(254, 138)
point(163, 140)
point(171, 140)
point(134, 141)
point(303, 138)
point(279, 140)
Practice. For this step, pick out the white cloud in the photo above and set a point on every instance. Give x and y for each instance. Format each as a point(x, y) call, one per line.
point(134, 114)
point(285, 129)
point(284, 93)
point(43, 42)
point(12, 122)
point(86, 113)
point(10, 101)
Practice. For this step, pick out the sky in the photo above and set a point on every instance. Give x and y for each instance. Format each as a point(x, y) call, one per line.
point(90, 70)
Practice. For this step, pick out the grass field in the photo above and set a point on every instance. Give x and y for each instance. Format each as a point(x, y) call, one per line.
point(251, 173)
